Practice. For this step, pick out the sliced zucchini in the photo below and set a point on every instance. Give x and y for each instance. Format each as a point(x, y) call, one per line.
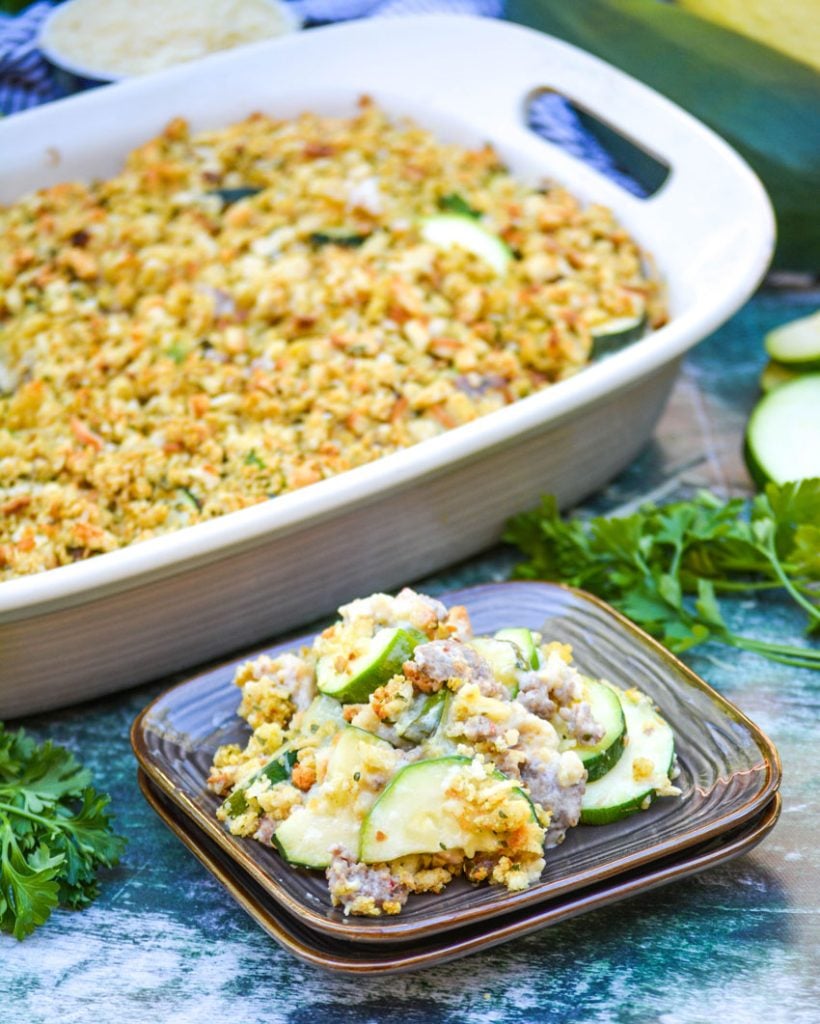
point(643, 768)
point(412, 814)
point(455, 203)
point(504, 658)
point(796, 345)
point(783, 435)
point(307, 837)
point(323, 713)
point(774, 374)
point(386, 653)
point(320, 713)
point(455, 229)
point(308, 834)
point(524, 641)
point(278, 769)
point(229, 196)
point(439, 744)
point(345, 239)
point(422, 718)
point(598, 758)
point(616, 334)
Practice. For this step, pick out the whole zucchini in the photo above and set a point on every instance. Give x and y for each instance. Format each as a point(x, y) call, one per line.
point(761, 101)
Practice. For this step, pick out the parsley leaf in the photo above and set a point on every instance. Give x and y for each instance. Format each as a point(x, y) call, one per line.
point(28, 890)
point(666, 567)
point(55, 833)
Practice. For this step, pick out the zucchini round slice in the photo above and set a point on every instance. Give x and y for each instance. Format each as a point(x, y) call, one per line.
point(307, 837)
point(422, 718)
point(796, 345)
point(455, 229)
point(278, 769)
point(387, 652)
point(504, 658)
point(524, 641)
point(616, 334)
point(308, 834)
point(643, 768)
point(412, 816)
point(598, 758)
point(783, 435)
point(774, 374)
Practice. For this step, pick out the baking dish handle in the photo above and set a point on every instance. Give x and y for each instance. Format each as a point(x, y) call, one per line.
point(698, 183)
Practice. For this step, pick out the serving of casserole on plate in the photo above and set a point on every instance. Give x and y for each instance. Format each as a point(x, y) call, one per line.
point(728, 773)
point(167, 599)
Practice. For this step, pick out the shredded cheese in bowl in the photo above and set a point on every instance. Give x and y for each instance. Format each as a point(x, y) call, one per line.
point(114, 39)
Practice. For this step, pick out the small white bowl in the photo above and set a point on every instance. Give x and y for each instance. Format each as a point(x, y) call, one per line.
point(72, 76)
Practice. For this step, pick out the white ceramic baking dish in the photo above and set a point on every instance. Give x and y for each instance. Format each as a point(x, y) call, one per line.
point(145, 611)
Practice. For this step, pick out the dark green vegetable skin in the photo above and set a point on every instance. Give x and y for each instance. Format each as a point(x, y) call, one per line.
point(428, 718)
point(329, 238)
point(762, 102)
point(234, 195)
point(278, 770)
point(454, 203)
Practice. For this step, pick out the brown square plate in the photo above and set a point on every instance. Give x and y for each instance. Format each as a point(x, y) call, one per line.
point(729, 769)
point(389, 957)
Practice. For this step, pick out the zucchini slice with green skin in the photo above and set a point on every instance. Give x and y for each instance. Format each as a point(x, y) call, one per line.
point(504, 658)
point(524, 641)
point(411, 815)
point(321, 712)
point(388, 651)
point(278, 769)
point(783, 435)
point(229, 196)
point(616, 334)
point(599, 758)
point(774, 374)
point(643, 768)
point(306, 837)
point(456, 229)
point(422, 719)
point(796, 345)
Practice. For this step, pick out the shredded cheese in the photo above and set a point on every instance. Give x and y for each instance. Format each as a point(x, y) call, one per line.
point(118, 38)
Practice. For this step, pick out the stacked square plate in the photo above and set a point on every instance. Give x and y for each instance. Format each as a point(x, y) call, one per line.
point(730, 772)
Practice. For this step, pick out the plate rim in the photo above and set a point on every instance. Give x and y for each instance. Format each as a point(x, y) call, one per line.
point(445, 947)
point(398, 929)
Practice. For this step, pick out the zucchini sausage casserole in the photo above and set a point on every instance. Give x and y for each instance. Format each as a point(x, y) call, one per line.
point(400, 751)
point(246, 311)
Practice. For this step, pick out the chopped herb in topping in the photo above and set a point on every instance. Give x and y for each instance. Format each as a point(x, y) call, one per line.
point(454, 203)
point(501, 814)
point(252, 459)
point(177, 352)
point(349, 241)
point(442, 846)
point(314, 727)
point(233, 195)
point(357, 776)
point(191, 498)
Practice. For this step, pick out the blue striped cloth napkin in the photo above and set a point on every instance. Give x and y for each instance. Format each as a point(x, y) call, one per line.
point(26, 79)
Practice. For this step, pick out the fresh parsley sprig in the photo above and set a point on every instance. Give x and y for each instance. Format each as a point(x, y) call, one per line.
point(664, 567)
point(55, 832)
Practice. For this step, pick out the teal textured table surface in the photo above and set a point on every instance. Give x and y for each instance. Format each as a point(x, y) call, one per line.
point(737, 944)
